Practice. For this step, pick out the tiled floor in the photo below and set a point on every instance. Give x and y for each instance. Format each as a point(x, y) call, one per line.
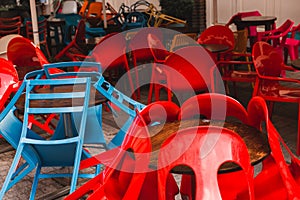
point(284, 118)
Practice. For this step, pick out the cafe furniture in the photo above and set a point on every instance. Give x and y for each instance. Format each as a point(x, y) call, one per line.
point(10, 25)
point(55, 30)
point(183, 39)
point(184, 73)
point(140, 51)
point(159, 53)
point(217, 35)
point(282, 173)
point(252, 30)
point(120, 103)
point(9, 81)
point(267, 21)
point(215, 109)
point(42, 32)
point(25, 56)
point(37, 151)
point(277, 36)
point(204, 150)
point(291, 45)
point(77, 46)
point(4, 43)
point(110, 51)
point(123, 176)
point(270, 85)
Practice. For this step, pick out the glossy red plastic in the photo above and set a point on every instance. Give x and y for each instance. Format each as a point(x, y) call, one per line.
point(190, 147)
point(218, 34)
point(185, 72)
point(278, 35)
point(123, 176)
point(292, 44)
point(270, 85)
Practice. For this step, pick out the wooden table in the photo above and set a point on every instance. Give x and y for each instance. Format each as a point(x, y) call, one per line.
point(215, 48)
point(256, 141)
point(267, 21)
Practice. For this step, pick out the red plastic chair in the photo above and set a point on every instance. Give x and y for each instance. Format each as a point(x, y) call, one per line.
point(185, 72)
point(140, 51)
point(190, 147)
point(218, 34)
point(291, 45)
point(159, 53)
point(269, 83)
point(9, 81)
point(76, 47)
point(111, 53)
point(10, 26)
point(277, 36)
point(252, 30)
point(42, 31)
point(216, 107)
point(125, 177)
point(279, 178)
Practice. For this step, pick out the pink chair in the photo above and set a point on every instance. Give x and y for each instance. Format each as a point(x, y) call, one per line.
point(277, 36)
point(291, 45)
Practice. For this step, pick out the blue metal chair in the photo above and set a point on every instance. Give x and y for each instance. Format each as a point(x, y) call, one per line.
point(121, 101)
point(82, 69)
point(39, 152)
point(134, 20)
point(117, 98)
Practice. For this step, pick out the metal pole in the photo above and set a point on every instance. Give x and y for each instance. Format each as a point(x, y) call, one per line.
point(34, 23)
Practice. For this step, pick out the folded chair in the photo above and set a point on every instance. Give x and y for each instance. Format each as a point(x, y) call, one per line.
point(39, 152)
point(204, 149)
point(127, 174)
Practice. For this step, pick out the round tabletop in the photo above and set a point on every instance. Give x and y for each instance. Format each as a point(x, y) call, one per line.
point(215, 48)
point(296, 64)
point(258, 18)
point(256, 141)
point(96, 98)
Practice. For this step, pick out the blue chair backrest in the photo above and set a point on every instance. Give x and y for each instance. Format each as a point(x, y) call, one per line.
point(125, 103)
point(84, 69)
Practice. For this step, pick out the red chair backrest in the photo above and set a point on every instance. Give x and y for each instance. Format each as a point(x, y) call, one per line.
point(204, 149)
point(189, 68)
point(157, 48)
point(110, 51)
point(217, 34)
point(213, 106)
point(267, 60)
point(138, 44)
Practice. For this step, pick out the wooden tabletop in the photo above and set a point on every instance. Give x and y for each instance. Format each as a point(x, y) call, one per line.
point(96, 98)
point(256, 141)
point(258, 18)
point(215, 48)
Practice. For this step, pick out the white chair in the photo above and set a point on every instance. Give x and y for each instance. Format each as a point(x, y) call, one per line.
point(69, 7)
